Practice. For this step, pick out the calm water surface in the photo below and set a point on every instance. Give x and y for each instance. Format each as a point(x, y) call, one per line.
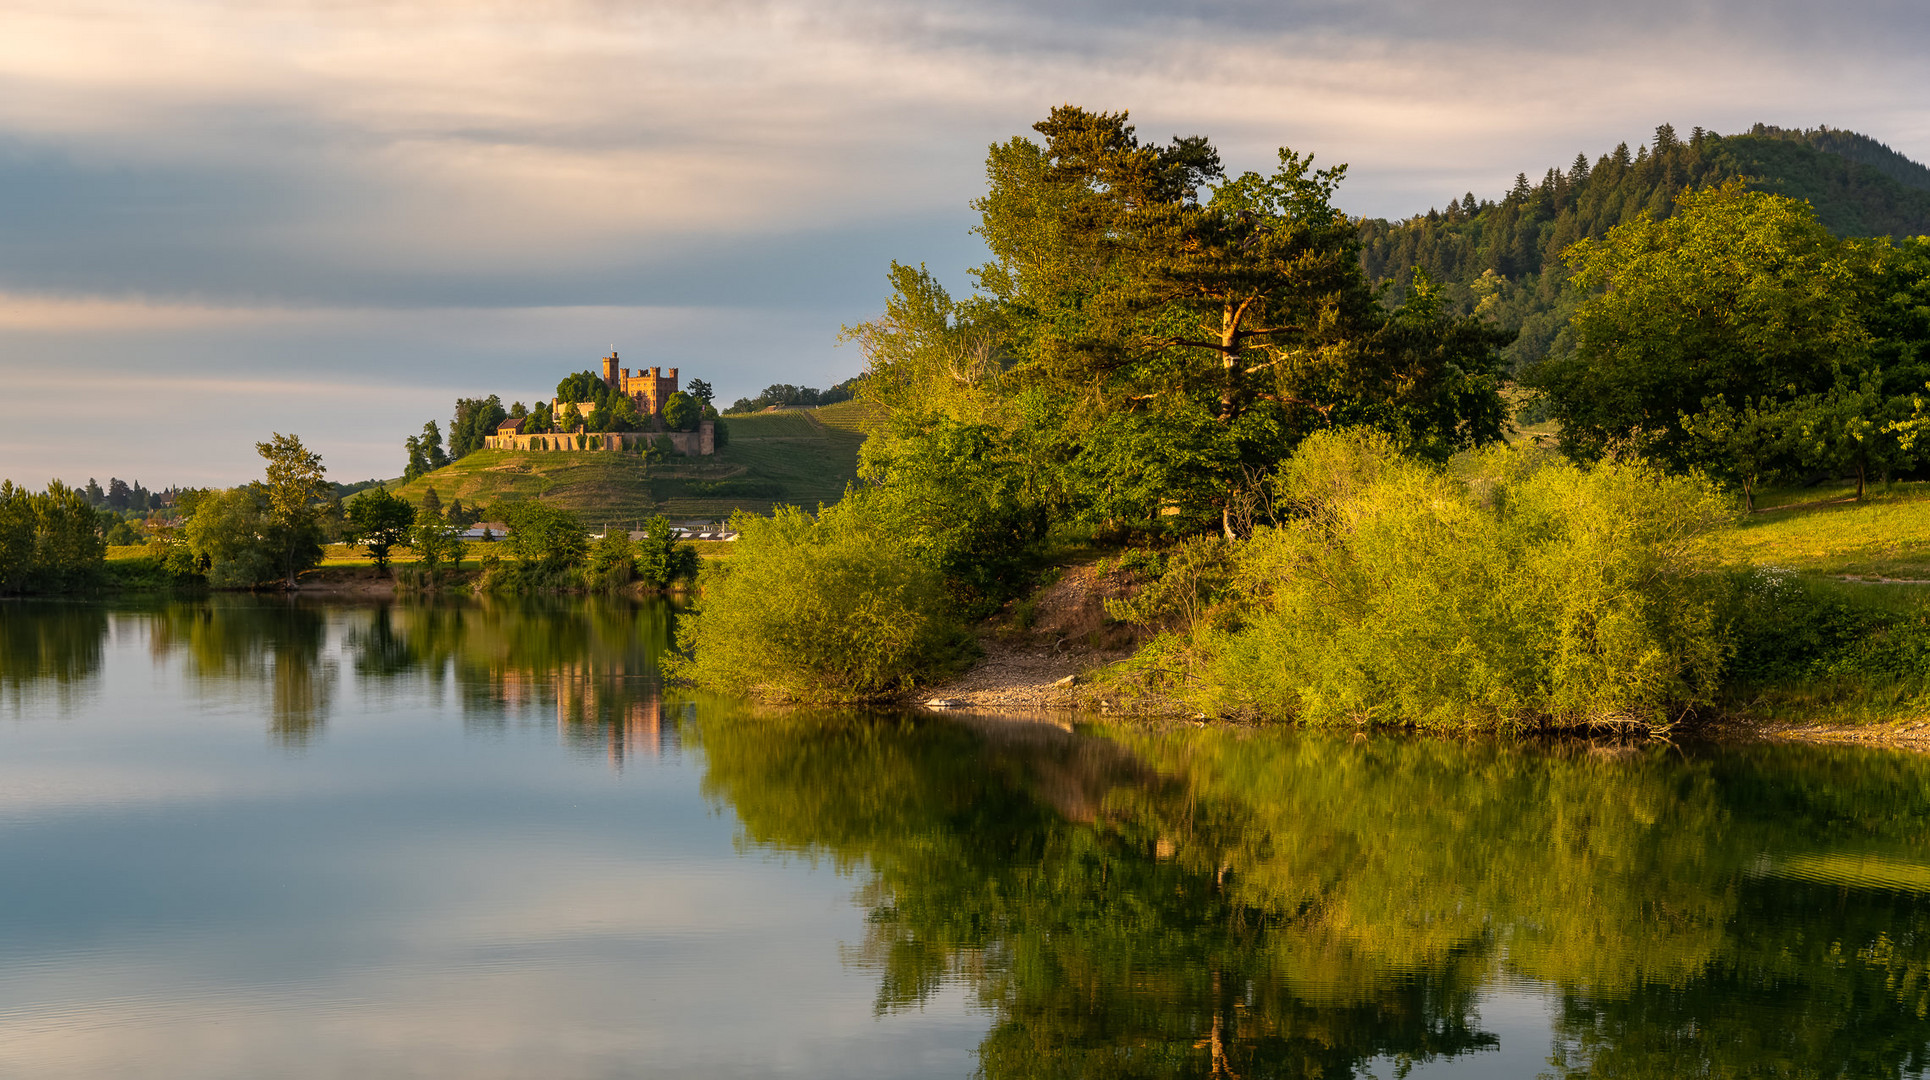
point(248, 838)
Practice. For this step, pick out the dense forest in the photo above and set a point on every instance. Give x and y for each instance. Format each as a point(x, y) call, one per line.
point(1502, 258)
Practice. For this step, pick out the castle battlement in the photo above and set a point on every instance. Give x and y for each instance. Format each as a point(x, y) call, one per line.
point(649, 388)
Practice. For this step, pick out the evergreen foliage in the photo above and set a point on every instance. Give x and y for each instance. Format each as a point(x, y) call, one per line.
point(1502, 258)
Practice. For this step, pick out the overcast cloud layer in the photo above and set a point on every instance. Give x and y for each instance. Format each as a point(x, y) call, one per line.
point(222, 219)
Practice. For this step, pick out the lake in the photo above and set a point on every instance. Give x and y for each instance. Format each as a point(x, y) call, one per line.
point(248, 837)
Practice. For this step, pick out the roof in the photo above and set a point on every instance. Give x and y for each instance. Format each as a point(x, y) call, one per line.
point(510, 426)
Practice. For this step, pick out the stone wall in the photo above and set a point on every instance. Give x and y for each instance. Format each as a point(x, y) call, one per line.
point(699, 443)
point(604, 441)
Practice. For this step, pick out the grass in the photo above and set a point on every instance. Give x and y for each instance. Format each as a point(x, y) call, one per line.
point(852, 416)
point(791, 424)
point(809, 462)
point(1814, 531)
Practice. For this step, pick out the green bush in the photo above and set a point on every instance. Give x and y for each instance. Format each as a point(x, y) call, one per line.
point(1512, 592)
point(1793, 631)
point(613, 561)
point(825, 608)
point(735, 488)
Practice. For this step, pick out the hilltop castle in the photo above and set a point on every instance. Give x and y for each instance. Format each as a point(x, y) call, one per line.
point(647, 389)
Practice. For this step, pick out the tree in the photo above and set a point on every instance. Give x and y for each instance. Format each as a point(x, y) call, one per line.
point(1853, 428)
point(661, 558)
point(584, 386)
point(434, 541)
point(1738, 295)
point(418, 461)
point(432, 452)
point(1125, 323)
point(49, 541)
point(681, 412)
point(432, 502)
point(1746, 445)
point(613, 562)
point(475, 420)
point(233, 537)
point(379, 521)
point(293, 485)
point(544, 535)
point(701, 390)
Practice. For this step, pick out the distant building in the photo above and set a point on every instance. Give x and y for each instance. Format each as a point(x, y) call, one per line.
point(647, 388)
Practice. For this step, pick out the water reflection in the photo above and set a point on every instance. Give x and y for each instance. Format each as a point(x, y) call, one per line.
point(1138, 901)
point(1206, 902)
point(48, 647)
point(590, 662)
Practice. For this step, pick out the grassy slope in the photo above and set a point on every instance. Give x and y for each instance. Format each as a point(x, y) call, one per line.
point(1887, 535)
point(810, 459)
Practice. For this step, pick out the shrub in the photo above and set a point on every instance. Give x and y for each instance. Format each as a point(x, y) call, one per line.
point(735, 488)
point(613, 562)
point(1520, 592)
point(824, 608)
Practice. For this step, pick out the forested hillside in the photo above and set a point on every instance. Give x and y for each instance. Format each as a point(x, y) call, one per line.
point(1503, 258)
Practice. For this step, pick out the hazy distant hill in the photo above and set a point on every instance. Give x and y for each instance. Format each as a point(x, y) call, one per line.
point(1503, 256)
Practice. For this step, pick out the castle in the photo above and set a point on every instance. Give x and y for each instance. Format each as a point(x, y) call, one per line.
point(647, 388)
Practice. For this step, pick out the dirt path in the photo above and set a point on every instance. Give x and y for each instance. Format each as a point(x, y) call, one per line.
point(1041, 663)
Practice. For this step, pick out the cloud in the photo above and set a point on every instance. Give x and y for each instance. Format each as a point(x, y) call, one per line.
point(210, 170)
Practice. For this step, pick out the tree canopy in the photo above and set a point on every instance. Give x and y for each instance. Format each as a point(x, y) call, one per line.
point(1741, 336)
point(1154, 333)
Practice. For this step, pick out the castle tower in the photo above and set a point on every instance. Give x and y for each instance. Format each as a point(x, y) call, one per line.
point(611, 374)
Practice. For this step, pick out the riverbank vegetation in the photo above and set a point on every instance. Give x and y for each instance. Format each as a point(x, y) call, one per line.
point(1310, 480)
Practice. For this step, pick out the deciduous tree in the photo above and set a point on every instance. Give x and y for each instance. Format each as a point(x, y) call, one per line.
point(379, 522)
point(294, 483)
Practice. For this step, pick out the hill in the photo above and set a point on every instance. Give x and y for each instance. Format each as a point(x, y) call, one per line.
point(1503, 257)
point(803, 457)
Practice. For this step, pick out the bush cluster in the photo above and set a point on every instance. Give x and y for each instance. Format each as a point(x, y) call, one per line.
point(1512, 591)
point(827, 607)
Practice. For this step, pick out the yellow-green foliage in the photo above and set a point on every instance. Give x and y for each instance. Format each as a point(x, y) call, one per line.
point(1512, 591)
point(1885, 534)
point(824, 608)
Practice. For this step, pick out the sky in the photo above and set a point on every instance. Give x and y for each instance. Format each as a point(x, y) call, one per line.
point(221, 219)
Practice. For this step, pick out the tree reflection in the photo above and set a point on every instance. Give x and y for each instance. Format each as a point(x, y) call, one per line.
point(233, 644)
point(1215, 902)
point(46, 646)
